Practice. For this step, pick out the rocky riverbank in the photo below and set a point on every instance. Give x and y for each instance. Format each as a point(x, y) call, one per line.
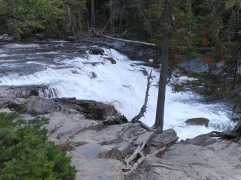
point(103, 145)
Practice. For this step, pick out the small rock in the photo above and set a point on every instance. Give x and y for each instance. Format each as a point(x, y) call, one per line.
point(197, 121)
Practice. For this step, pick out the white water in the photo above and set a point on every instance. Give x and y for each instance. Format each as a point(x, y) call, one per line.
point(123, 85)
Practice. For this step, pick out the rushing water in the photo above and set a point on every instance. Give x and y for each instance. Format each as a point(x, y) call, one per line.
point(70, 71)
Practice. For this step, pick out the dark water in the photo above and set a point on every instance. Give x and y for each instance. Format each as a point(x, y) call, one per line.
point(28, 57)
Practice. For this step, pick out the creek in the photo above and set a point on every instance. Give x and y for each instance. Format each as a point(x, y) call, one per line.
point(69, 70)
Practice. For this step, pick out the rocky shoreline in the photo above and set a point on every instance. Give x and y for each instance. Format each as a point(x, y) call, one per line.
point(103, 145)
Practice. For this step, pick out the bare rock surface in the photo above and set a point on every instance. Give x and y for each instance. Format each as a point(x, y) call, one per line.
point(213, 159)
point(123, 150)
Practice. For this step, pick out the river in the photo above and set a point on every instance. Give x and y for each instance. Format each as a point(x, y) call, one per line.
point(69, 70)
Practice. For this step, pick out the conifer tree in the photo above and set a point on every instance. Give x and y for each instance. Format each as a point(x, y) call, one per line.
point(173, 35)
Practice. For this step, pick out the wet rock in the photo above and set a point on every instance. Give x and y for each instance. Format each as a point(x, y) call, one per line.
point(197, 121)
point(96, 51)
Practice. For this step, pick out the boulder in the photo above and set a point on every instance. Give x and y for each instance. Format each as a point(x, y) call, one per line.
point(197, 121)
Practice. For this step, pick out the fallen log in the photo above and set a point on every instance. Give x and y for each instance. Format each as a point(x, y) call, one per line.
point(129, 41)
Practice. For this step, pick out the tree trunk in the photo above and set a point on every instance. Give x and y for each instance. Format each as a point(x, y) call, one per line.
point(92, 7)
point(164, 69)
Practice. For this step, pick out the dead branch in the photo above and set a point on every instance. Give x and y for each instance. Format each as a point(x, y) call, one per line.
point(132, 157)
point(144, 107)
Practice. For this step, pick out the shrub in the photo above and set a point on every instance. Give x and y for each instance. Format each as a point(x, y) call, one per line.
point(26, 153)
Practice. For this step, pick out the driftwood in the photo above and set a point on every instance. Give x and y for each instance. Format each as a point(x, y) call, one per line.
point(129, 168)
point(138, 156)
point(144, 107)
point(234, 135)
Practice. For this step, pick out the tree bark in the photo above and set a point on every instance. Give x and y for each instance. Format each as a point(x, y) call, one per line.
point(164, 70)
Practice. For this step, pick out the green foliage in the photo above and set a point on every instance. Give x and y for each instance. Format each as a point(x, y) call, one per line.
point(21, 18)
point(178, 88)
point(26, 153)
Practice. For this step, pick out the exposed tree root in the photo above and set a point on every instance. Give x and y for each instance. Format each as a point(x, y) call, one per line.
point(233, 135)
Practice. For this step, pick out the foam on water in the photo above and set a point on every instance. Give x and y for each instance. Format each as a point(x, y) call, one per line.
point(13, 45)
point(123, 85)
